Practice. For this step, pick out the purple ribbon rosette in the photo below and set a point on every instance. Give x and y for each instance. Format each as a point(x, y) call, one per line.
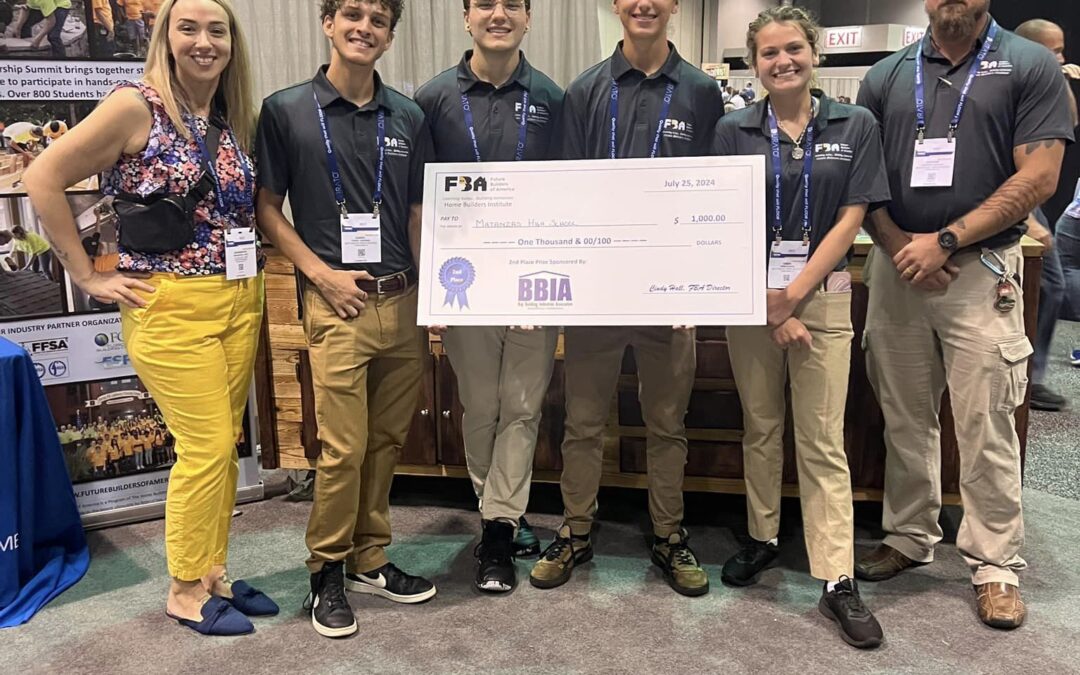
point(456, 275)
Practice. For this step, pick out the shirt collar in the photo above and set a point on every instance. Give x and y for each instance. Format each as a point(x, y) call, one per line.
point(620, 66)
point(467, 79)
point(828, 111)
point(927, 48)
point(326, 93)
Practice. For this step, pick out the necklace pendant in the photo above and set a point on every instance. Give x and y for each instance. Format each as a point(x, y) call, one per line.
point(798, 153)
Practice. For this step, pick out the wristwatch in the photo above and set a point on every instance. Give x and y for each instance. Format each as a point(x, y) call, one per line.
point(946, 239)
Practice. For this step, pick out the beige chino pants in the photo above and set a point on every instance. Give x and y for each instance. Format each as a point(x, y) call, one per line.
point(666, 360)
point(502, 377)
point(819, 386)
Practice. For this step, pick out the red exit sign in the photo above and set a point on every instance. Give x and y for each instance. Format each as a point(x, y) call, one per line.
point(843, 38)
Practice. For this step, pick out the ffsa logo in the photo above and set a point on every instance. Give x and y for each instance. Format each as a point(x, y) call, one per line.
point(46, 346)
point(466, 184)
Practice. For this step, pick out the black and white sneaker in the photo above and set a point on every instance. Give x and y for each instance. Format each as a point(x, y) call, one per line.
point(331, 614)
point(495, 571)
point(391, 583)
point(858, 627)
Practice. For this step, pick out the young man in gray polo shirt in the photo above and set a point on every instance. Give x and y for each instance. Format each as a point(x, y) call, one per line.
point(663, 107)
point(349, 152)
point(494, 107)
point(995, 105)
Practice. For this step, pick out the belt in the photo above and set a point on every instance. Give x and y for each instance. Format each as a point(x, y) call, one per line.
point(391, 284)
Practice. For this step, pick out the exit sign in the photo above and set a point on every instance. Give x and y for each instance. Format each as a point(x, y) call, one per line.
point(843, 38)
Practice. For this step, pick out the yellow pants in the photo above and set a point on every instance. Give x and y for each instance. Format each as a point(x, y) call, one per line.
point(193, 346)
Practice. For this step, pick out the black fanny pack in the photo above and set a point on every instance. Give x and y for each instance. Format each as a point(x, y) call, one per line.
point(159, 223)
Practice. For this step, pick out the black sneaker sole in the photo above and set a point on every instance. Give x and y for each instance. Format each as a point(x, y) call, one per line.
point(670, 579)
point(869, 643)
point(578, 559)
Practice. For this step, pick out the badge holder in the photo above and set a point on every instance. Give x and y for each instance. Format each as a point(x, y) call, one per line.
point(361, 237)
point(787, 259)
point(241, 257)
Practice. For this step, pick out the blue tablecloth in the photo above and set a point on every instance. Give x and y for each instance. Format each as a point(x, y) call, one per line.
point(42, 546)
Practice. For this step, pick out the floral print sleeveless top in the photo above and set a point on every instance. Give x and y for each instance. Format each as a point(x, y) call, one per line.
point(170, 164)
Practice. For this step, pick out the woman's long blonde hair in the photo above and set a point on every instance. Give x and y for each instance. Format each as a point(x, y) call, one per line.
point(234, 89)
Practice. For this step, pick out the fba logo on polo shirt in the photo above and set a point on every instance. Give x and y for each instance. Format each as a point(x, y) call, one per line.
point(466, 184)
point(396, 147)
point(538, 114)
point(995, 68)
point(679, 130)
point(841, 152)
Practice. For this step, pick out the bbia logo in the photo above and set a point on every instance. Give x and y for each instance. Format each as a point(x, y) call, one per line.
point(466, 183)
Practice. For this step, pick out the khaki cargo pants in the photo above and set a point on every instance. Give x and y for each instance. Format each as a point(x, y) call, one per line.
point(917, 343)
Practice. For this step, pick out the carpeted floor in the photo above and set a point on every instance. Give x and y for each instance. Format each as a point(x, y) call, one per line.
point(616, 615)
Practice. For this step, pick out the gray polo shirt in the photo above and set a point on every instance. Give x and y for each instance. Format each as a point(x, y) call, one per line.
point(1019, 97)
point(292, 162)
point(496, 114)
point(696, 105)
point(848, 166)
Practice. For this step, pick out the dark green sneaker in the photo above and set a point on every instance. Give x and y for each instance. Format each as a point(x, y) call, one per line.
point(526, 544)
point(559, 559)
point(679, 565)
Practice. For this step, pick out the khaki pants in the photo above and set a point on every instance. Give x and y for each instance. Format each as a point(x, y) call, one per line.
point(916, 343)
point(502, 376)
point(366, 375)
point(193, 347)
point(666, 360)
point(819, 384)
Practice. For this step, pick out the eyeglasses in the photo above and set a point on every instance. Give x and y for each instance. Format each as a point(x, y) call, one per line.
point(509, 6)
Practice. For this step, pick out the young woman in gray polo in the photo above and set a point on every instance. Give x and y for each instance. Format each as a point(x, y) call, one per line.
point(824, 167)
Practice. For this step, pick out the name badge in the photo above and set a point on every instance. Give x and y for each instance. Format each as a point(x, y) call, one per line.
point(241, 259)
point(935, 159)
point(787, 259)
point(361, 238)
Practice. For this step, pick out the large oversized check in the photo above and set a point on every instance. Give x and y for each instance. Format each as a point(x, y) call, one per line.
point(646, 242)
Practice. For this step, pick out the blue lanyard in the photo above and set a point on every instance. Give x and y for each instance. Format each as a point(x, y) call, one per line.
point(669, 93)
point(332, 164)
point(777, 168)
point(920, 84)
point(523, 127)
point(243, 199)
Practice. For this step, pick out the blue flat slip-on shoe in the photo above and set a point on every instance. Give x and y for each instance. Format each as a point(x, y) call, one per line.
point(219, 618)
point(251, 601)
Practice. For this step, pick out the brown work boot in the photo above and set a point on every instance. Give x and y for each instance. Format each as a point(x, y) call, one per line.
point(884, 562)
point(559, 559)
point(1000, 605)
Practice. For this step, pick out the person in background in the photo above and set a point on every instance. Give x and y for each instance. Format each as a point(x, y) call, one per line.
point(748, 93)
point(134, 24)
point(106, 27)
point(821, 198)
point(190, 319)
point(1052, 292)
point(35, 248)
point(51, 14)
point(946, 305)
point(510, 111)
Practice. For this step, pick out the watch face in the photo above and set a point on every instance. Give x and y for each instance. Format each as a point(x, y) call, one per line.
point(947, 240)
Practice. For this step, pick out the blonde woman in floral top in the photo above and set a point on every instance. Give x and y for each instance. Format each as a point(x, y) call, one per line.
point(190, 320)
